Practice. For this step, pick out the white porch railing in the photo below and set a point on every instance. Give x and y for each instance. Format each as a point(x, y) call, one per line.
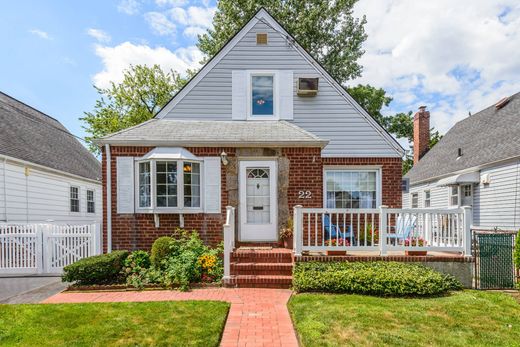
point(229, 240)
point(45, 248)
point(382, 229)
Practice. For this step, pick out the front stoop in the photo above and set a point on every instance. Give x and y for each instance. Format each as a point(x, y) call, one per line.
point(252, 268)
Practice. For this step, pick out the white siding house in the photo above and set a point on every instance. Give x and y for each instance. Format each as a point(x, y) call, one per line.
point(477, 163)
point(46, 175)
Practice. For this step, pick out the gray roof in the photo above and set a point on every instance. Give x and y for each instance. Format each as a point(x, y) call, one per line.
point(33, 136)
point(488, 136)
point(173, 132)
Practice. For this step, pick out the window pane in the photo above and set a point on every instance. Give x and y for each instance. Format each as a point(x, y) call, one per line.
point(262, 95)
point(166, 183)
point(144, 185)
point(191, 184)
point(351, 189)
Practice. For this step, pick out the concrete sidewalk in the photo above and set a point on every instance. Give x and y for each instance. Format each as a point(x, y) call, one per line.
point(28, 289)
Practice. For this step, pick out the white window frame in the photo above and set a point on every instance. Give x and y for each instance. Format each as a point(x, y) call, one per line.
point(79, 199)
point(93, 200)
point(276, 108)
point(416, 195)
point(180, 187)
point(376, 169)
point(451, 195)
point(462, 192)
point(427, 198)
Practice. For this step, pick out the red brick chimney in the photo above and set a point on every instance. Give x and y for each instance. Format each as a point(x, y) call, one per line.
point(421, 133)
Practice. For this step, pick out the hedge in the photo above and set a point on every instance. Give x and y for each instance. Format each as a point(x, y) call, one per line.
point(99, 269)
point(161, 249)
point(372, 278)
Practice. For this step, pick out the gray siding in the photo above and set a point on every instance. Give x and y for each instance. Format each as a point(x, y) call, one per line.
point(438, 195)
point(497, 204)
point(328, 115)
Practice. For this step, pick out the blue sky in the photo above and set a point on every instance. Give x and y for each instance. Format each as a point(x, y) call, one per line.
point(453, 57)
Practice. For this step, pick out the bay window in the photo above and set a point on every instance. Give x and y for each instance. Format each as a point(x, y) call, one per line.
point(169, 185)
point(352, 188)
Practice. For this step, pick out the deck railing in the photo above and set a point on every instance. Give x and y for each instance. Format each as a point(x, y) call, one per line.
point(382, 229)
point(229, 240)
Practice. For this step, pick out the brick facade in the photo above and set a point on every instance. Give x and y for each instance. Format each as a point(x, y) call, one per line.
point(138, 231)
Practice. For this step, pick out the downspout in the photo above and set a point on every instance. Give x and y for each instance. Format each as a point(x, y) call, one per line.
point(109, 197)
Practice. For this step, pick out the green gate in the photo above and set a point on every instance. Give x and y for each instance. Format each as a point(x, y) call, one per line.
point(494, 260)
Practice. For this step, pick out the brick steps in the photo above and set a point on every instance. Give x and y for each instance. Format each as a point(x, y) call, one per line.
point(273, 269)
point(259, 281)
point(261, 268)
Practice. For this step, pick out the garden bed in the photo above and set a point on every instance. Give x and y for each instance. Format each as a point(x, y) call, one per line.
point(126, 287)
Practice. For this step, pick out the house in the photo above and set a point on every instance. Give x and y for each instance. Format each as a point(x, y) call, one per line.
point(477, 163)
point(262, 127)
point(46, 175)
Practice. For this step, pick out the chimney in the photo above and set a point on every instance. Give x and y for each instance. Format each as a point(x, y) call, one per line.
point(421, 133)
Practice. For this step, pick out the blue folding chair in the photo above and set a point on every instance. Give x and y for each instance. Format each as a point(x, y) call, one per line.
point(333, 231)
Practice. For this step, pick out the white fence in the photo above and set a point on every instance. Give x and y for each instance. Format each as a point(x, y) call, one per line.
point(382, 229)
point(45, 248)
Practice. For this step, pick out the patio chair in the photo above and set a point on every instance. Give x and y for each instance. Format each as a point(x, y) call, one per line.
point(333, 231)
point(403, 228)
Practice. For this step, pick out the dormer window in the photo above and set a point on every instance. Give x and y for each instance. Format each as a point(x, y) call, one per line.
point(262, 95)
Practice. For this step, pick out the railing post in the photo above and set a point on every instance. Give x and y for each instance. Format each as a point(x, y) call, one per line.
point(229, 240)
point(468, 221)
point(382, 229)
point(298, 232)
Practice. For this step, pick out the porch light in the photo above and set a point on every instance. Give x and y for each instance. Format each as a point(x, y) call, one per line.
point(224, 158)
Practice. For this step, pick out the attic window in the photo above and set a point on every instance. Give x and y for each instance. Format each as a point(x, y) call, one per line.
point(261, 39)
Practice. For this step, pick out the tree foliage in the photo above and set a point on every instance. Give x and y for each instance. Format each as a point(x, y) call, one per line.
point(327, 30)
point(138, 98)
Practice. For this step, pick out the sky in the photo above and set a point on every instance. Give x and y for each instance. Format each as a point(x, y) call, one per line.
point(453, 56)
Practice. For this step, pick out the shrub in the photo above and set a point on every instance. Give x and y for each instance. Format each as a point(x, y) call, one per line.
point(137, 269)
point(373, 278)
point(99, 269)
point(161, 250)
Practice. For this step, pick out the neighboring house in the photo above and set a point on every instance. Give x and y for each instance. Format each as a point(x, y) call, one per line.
point(262, 127)
point(477, 163)
point(46, 175)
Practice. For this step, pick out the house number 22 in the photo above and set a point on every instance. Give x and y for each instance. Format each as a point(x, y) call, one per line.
point(304, 194)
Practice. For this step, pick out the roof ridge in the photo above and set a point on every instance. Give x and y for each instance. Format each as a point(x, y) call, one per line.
point(29, 106)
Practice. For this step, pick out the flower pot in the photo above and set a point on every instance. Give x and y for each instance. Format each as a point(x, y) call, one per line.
point(416, 253)
point(288, 242)
point(336, 252)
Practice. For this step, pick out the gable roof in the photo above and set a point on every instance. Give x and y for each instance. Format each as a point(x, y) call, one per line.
point(194, 133)
point(491, 135)
point(263, 16)
point(33, 136)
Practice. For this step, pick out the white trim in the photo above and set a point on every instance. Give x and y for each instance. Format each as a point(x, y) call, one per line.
point(70, 199)
point(109, 196)
point(411, 199)
point(365, 168)
point(94, 200)
point(224, 143)
point(262, 14)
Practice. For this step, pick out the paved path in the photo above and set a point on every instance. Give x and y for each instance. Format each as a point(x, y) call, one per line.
point(30, 289)
point(258, 317)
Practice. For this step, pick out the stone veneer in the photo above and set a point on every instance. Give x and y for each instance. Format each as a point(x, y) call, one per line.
point(299, 169)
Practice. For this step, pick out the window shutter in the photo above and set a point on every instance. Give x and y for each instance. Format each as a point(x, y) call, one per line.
point(212, 185)
point(286, 94)
point(125, 184)
point(239, 95)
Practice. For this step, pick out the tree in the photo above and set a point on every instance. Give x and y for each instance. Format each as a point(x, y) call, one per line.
point(138, 98)
point(327, 30)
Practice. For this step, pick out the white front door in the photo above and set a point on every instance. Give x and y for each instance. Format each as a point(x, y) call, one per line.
point(258, 201)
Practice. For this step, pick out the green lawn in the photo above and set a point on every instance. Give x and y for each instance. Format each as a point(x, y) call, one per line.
point(169, 323)
point(467, 318)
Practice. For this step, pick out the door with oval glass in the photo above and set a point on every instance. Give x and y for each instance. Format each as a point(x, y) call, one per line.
point(258, 201)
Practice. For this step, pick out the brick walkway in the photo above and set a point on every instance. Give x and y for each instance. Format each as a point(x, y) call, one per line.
point(258, 317)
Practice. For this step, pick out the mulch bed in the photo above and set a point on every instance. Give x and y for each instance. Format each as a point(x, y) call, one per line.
point(124, 287)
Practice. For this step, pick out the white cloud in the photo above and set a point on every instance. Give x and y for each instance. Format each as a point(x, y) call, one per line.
point(171, 2)
point(118, 58)
point(179, 15)
point(99, 35)
point(194, 16)
point(160, 24)
point(41, 34)
point(453, 56)
point(193, 32)
point(129, 7)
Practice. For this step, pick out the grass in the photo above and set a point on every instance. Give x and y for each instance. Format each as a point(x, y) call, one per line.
point(167, 323)
point(466, 318)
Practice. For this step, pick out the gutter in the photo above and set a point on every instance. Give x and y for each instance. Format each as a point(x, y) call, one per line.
point(169, 143)
point(109, 197)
